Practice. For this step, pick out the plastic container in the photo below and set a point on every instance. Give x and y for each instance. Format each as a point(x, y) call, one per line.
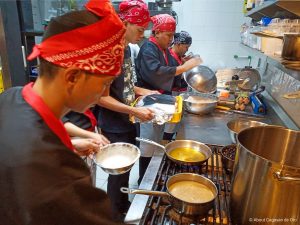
point(177, 115)
point(175, 118)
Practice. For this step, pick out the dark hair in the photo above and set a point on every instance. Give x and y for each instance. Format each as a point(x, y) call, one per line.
point(48, 69)
point(61, 24)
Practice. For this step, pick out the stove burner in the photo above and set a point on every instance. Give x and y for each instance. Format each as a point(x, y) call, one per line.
point(160, 211)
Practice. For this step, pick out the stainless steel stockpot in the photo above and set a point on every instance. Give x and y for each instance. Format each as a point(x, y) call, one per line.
point(237, 125)
point(266, 176)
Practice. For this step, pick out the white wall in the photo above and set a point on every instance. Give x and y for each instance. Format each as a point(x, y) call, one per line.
point(215, 28)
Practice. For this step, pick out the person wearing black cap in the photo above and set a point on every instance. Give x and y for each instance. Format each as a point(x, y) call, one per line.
point(181, 43)
point(42, 180)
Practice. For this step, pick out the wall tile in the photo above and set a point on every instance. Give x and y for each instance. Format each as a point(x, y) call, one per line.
point(215, 28)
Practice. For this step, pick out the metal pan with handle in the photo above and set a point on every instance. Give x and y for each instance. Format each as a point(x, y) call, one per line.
point(188, 193)
point(188, 158)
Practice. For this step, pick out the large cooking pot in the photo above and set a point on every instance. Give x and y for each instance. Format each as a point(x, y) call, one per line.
point(236, 125)
point(188, 193)
point(291, 47)
point(183, 152)
point(266, 177)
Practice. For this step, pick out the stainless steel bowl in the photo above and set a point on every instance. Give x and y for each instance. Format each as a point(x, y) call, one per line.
point(202, 103)
point(117, 158)
point(235, 126)
point(202, 79)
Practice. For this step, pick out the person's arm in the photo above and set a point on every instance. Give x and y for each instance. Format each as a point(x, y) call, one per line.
point(144, 114)
point(85, 146)
point(76, 131)
point(143, 91)
point(191, 63)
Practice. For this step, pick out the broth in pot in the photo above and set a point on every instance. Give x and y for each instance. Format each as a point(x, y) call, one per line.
point(191, 191)
point(187, 154)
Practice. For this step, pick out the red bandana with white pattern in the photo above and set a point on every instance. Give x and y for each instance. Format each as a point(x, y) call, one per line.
point(163, 22)
point(96, 48)
point(135, 12)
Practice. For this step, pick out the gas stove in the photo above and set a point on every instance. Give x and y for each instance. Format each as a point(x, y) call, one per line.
point(159, 211)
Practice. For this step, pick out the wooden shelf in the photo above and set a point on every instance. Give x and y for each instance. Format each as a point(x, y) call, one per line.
point(276, 9)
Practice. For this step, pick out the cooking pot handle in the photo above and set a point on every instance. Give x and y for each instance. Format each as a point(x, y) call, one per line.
point(149, 142)
point(279, 177)
point(143, 192)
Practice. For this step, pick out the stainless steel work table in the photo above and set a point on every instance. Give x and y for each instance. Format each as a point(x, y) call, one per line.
point(209, 129)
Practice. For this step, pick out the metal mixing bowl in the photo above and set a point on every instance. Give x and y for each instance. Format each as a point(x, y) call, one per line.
point(202, 79)
point(200, 107)
point(235, 126)
point(117, 158)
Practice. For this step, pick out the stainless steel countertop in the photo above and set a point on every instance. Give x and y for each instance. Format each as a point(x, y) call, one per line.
point(210, 128)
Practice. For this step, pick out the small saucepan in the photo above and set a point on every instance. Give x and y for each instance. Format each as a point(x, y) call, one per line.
point(184, 152)
point(188, 193)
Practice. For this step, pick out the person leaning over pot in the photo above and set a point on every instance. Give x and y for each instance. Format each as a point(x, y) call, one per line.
point(115, 109)
point(42, 180)
point(181, 43)
point(155, 72)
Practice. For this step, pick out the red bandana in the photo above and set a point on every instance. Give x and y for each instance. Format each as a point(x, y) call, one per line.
point(163, 22)
point(135, 12)
point(97, 48)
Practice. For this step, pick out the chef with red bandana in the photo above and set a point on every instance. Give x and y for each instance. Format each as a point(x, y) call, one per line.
point(42, 180)
point(155, 71)
point(116, 108)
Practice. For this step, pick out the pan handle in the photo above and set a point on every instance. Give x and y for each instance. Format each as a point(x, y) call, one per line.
point(279, 177)
point(143, 192)
point(150, 142)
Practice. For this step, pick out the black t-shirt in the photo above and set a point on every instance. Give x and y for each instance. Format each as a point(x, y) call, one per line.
point(41, 180)
point(111, 121)
point(78, 119)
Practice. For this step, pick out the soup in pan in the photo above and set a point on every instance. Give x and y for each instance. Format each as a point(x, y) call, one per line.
point(187, 155)
point(191, 191)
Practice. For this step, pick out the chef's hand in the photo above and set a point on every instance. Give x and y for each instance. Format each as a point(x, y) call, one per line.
point(143, 114)
point(100, 138)
point(191, 63)
point(187, 57)
point(85, 146)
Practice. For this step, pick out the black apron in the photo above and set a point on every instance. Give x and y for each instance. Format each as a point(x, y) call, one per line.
point(42, 181)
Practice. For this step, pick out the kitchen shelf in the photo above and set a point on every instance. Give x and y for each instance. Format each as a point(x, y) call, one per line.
point(276, 9)
point(274, 61)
